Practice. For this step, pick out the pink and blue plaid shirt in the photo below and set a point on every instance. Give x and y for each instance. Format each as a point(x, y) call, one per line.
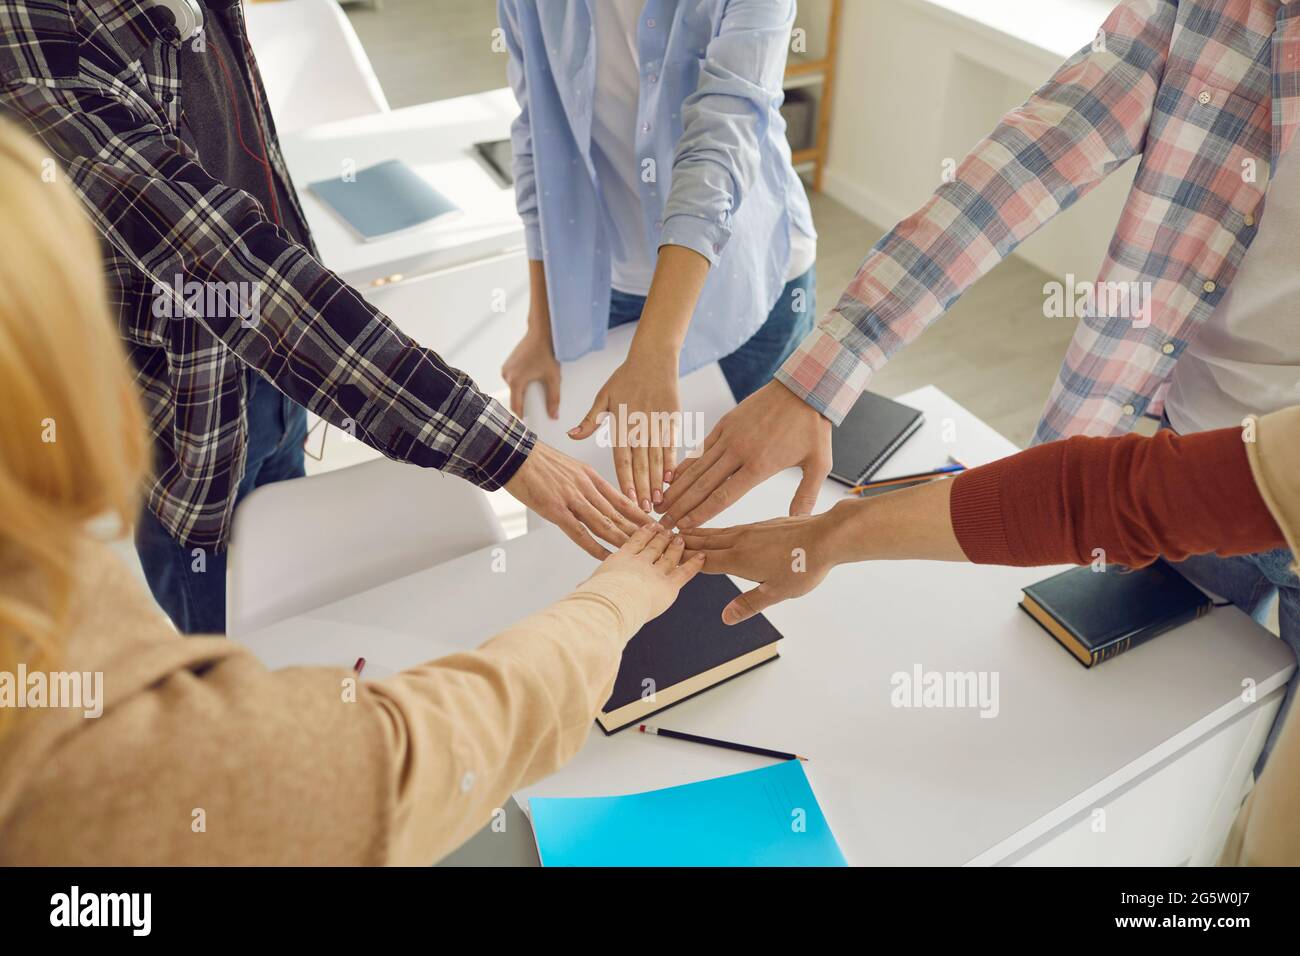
point(1207, 93)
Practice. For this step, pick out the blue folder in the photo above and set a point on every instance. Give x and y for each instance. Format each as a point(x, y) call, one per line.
point(767, 817)
point(382, 199)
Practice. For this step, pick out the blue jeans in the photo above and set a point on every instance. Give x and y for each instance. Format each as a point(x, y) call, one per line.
point(190, 583)
point(1253, 582)
point(752, 365)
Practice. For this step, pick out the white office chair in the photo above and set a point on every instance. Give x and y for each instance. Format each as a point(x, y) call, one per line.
point(312, 64)
point(299, 544)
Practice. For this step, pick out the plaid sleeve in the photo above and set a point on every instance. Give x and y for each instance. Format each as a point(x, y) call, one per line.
point(312, 335)
point(1081, 125)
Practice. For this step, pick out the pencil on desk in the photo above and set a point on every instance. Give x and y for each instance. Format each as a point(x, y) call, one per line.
point(942, 472)
point(726, 744)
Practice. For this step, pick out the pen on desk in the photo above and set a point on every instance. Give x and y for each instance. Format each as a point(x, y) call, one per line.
point(940, 472)
point(726, 744)
point(359, 666)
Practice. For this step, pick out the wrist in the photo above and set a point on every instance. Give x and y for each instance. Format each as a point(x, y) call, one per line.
point(654, 351)
point(847, 532)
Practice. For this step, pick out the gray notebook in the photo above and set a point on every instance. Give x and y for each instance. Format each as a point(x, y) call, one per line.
point(383, 199)
point(507, 840)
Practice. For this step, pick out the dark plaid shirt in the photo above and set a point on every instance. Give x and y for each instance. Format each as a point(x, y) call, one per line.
point(97, 82)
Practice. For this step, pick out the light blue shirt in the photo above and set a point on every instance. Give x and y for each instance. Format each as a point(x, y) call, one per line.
point(716, 175)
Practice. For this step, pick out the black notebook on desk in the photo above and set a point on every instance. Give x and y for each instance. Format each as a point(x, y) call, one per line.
point(1097, 615)
point(685, 651)
point(873, 430)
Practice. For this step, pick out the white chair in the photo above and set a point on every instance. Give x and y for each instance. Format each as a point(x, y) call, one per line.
point(312, 64)
point(296, 545)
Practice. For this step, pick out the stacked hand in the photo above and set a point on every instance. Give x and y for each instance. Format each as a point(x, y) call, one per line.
point(574, 496)
point(787, 556)
point(771, 430)
point(641, 397)
point(655, 556)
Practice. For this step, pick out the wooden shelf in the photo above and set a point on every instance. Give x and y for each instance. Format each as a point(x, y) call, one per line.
point(811, 71)
point(808, 67)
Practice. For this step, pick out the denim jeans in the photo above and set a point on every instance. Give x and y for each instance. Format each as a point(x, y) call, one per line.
point(752, 365)
point(190, 583)
point(1253, 582)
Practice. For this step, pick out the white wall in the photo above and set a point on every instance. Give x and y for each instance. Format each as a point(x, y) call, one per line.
point(921, 81)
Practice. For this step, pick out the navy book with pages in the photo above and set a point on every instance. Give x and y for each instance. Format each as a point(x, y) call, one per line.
point(685, 651)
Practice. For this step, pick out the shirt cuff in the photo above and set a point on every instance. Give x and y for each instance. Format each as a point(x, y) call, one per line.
point(533, 240)
point(493, 447)
point(825, 373)
point(978, 518)
point(705, 237)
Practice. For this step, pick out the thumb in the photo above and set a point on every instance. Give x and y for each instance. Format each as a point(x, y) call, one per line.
point(552, 385)
point(517, 400)
point(748, 604)
point(591, 421)
point(805, 496)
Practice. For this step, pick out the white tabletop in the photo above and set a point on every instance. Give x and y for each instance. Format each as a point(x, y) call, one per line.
point(899, 786)
point(436, 140)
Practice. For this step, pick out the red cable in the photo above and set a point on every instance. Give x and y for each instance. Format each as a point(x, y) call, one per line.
point(234, 109)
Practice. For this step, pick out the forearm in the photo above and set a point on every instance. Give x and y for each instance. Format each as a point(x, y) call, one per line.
point(1090, 117)
point(1126, 500)
point(912, 524)
point(678, 280)
point(468, 730)
point(539, 306)
point(301, 326)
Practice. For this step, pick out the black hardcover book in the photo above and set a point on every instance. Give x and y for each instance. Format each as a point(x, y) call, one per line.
point(873, 430)
point(1097, 615)
point(685, 651)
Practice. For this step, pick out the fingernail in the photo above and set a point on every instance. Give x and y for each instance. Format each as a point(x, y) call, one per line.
point(574, 430)
point(668, 475)
point(729, 615)
point(629, 494)
point(658, 497)
point(645, 504)
point(685, 523)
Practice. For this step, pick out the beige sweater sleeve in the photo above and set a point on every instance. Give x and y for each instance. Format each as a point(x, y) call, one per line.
point(1267, 830)
point(203, 756)
point(466, 731)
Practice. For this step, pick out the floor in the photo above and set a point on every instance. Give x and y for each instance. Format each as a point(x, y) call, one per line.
point(995, 352)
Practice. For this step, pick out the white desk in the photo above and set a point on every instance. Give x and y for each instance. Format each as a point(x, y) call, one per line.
point(1160, 737)
point(436, 139)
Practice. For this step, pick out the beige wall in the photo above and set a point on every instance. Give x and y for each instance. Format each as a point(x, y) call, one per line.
point(919, 83)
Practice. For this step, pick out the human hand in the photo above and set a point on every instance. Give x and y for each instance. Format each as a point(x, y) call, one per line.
point(533, 360)
point(788, 557)
point(574, 497)
point(642, 397)
point(655, 556)
point(770, 430)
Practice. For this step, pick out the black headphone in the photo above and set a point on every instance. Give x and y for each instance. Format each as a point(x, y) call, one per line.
point(186, 16)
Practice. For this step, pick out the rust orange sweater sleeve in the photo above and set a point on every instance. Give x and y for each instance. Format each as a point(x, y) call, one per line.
point(1133, 497)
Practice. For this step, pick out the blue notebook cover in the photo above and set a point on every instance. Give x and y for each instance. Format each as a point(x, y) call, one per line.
point(382, 199)
point(767, 817)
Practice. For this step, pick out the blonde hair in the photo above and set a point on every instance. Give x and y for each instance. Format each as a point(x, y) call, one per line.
point(72, 439)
